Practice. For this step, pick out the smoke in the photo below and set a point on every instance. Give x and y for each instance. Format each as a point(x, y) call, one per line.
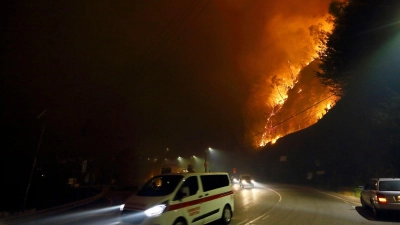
point(211, 48)
point(286, 96)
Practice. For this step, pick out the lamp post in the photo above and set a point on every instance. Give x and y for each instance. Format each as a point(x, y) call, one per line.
point(35, 156)
point(205, 159)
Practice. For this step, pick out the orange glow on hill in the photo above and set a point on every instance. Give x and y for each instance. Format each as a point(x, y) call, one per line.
point(296, 107)
point(289, 97)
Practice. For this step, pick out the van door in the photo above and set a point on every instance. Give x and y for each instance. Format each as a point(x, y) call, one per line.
point(216, 191)
point(187, 201)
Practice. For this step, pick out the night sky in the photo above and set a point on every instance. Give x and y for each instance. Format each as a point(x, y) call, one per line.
point(143, 75)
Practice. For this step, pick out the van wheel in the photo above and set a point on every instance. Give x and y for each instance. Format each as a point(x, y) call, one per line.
point(226, 215)
point(180, 221)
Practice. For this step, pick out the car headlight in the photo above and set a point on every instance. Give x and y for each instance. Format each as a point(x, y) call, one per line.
point(121, 207)
point(155, 210)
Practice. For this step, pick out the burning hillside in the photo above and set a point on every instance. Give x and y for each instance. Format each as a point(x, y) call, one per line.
point(296, 107)
point(288, 96)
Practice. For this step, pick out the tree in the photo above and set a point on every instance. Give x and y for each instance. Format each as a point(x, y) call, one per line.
point(386, 123)
point(356, 35)
point(360, 60)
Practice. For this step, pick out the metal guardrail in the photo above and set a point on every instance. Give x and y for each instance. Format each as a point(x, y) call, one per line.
point(44, 212)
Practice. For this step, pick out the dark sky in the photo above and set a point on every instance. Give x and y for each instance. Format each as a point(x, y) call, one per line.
point(144, 75)
point(137, 74)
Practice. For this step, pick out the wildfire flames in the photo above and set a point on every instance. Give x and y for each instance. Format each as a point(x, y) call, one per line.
point(289, 97)
point(296, 107)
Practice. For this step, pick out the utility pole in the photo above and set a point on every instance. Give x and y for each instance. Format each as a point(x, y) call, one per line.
point(35, 156)
point(205, 160)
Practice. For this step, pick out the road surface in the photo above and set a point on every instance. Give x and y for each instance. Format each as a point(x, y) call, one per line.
point(265, 204)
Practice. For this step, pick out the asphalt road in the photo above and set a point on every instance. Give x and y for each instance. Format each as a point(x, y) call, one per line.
point(265, 204)
point(286, 204)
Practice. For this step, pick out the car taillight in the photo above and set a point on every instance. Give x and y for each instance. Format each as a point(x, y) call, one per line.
point(381, 198)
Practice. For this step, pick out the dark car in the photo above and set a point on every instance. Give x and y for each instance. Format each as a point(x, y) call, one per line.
point(245, 180)
point(381, 194)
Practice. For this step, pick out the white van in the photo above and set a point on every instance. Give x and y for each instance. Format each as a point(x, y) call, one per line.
point(181, 199)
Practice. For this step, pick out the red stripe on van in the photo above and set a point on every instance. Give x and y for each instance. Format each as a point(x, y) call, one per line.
point(198, 201)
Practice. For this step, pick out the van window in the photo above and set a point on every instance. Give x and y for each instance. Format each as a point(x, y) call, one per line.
point(192, 184)
point(211, 182)
point(160, 185)
point(188, 188)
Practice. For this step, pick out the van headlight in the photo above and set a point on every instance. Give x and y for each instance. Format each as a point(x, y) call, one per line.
point(155, 210)
point(121, 207)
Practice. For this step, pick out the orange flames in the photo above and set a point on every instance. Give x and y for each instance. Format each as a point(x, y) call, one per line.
point(297, 106)
point(289, 97)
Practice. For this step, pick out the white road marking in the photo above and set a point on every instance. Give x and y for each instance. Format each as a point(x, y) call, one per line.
point(242, 222)
point(265, 215)
point(257, 218)
point(350, 202)
point(280, 197)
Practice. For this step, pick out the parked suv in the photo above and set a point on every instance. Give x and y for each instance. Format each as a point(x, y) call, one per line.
point(381, 194)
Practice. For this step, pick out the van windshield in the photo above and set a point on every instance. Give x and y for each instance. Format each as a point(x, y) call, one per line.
point(160, 185)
